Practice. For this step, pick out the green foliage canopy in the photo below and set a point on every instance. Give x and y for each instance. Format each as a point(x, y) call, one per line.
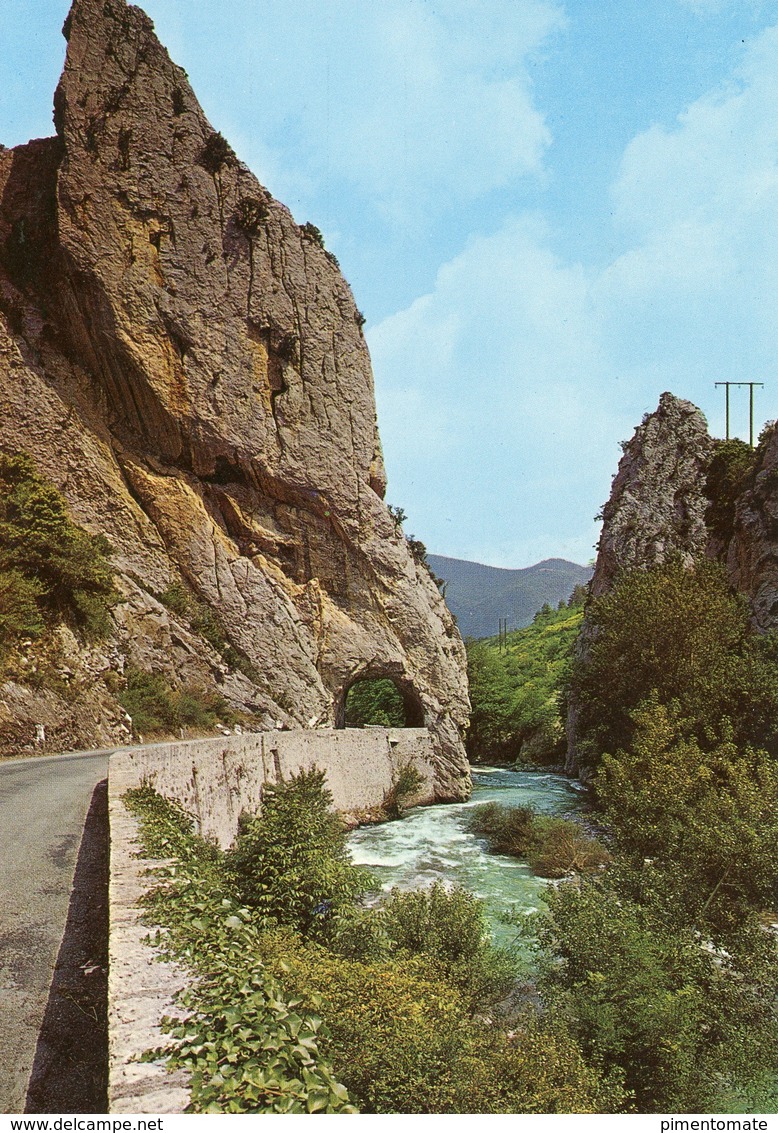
point(700, 828)
point(680, 633)
point(374, 702)
point(50, 569)
point(291, 861)
point(515, 691)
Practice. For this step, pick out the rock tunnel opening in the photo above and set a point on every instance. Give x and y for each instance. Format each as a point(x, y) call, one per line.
point(380, 701)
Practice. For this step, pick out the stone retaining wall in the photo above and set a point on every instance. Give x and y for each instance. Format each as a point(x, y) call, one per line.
point(215, 780)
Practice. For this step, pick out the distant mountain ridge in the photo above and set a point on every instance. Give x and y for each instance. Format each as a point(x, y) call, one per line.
point(479, 595)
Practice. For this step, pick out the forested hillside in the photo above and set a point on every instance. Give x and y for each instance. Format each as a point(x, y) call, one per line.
point(480, 596)
point(665, 964)
point(516, 685)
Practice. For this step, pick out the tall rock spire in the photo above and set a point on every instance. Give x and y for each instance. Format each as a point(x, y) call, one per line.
point(206, 359)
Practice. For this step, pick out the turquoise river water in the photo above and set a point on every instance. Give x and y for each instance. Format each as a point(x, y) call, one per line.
point(432, 844)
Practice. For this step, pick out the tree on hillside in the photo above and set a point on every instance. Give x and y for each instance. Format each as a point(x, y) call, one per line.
point(51, 568)
point(682, 634)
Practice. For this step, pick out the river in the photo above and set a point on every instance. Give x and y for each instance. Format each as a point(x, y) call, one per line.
point(432, 844)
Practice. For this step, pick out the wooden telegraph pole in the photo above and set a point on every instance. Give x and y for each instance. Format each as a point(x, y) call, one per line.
point(750, 405)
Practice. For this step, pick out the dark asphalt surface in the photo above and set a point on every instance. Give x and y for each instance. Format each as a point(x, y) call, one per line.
point(44, 804)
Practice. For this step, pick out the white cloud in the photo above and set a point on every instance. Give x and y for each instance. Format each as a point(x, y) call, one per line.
point(697, 284)
point(508, 342)
point(408, 102)
point(548, 364)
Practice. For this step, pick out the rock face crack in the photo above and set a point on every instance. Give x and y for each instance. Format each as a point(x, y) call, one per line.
point(181, 353)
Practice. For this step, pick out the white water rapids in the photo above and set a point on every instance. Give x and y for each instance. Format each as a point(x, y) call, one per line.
point(432, 844)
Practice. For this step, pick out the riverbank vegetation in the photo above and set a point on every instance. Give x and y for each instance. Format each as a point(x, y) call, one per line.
point(666, 964)
point(516, 688)
point(654, 983)
point(312, 1003)
point(554, 847)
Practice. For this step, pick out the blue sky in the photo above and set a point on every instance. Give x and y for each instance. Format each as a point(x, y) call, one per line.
point(549, 212)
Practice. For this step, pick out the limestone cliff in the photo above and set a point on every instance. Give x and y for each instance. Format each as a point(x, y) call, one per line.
point(657, 503)
point(752, 554)
point(188, 365)
point(667, 499)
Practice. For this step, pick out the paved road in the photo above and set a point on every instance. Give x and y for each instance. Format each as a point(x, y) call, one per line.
point(44, 804)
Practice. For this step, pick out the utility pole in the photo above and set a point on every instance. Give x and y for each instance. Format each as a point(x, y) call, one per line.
point(750, 405)
point(502, 633)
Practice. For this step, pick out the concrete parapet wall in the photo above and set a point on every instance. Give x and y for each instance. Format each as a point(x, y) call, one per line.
point(215, 780)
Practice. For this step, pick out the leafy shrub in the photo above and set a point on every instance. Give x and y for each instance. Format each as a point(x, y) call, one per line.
point(707, 821)
point(313, 234)
point(247, 1048)
point(402, 1039)
point(216, 154)
point(509, 830)
point(680, 1018)
point(374, 702)
point(178, 599)
point(553, 847)
point(564, 847)
point(155, 706)
point(408, 782)
point(47, 559)
point(20, 614)
point(291, 861)
point(448, 926)
point(250, 215)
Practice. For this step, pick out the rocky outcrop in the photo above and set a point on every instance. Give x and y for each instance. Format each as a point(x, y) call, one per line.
point(188, 365)
point(656, 509)
point(657, 503)
point(752, 555)
point(669, 498)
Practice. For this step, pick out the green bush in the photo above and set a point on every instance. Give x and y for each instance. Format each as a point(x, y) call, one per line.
point(406, 786)
point(403, 1040)
point(553, 847)
point(682, 1019)
point(291, 861)
point(155, 706)
point(563, 847)
point(216, 154)
point(47, 559)
point(707, 821)
point(20, 613)
point(509, 830)
point(311, 233)
point(246, 1047)
point(448, 926)
point(250, 216)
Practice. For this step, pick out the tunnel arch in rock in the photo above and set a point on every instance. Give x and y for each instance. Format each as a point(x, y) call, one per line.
point(412, 706)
